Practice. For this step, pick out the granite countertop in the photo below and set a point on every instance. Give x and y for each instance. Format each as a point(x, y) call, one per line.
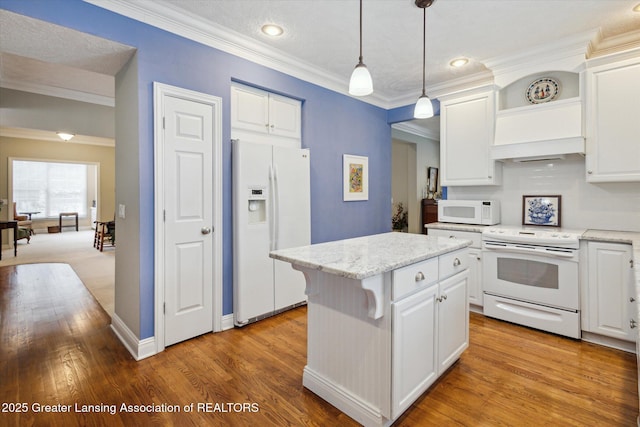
point(367, 256)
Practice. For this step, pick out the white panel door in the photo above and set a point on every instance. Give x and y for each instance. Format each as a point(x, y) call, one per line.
point(188, 155)
point(293, 220)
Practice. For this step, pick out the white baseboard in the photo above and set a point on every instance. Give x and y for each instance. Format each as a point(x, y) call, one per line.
point(227, 322)
point(139, 349)
point(351, 405)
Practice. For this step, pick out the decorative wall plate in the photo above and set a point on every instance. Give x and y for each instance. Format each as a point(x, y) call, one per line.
point(542, 90)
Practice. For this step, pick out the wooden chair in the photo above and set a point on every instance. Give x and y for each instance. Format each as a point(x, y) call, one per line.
point(105, 230)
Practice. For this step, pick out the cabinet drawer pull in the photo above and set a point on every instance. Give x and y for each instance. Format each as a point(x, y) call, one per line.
point(419, 276)
point(456, 262)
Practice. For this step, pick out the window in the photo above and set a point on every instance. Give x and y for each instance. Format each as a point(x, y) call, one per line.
point(51, 188)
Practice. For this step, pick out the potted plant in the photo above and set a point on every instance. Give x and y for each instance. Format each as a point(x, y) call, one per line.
point(400, 220)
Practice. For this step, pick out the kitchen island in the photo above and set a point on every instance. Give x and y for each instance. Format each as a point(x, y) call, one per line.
point(387, 315)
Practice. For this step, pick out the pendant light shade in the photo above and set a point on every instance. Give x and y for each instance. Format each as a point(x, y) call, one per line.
point(361, 83)
point(423, 108)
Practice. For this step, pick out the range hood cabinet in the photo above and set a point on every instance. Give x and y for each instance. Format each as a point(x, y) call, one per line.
point(539, 132)
point(556, 149)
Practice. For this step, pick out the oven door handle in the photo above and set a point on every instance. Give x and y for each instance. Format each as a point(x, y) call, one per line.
point(566, 253)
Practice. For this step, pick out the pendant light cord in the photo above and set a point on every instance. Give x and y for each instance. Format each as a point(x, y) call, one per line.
point(424, 49)
point(360, 58)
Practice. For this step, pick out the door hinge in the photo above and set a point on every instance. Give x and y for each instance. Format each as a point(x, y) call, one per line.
point(164, 215)
point(631, 262)
point(163, 123)
point(164, 308)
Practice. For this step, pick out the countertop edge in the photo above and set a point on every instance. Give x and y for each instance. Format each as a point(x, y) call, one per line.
point(375, 270)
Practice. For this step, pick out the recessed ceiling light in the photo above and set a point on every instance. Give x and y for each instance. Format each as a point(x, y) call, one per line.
point(459, 62)
point(65, 136)
point(272, 30)
point(637, 8)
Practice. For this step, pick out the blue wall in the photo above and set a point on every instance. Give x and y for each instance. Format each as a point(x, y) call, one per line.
point(333, 125)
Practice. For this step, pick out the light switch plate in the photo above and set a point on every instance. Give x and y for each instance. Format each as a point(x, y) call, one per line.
point(121, 211)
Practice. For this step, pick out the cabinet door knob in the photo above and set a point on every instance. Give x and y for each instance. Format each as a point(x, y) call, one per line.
point(452, 237)
point(632, 299)
point(632, 324)
point(589, 172)
point(444, 296)
point(456, 262)
point(419, 276)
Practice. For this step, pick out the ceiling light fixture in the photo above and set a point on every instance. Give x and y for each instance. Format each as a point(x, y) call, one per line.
point(459, 62)
point(637, 8)
point(272, 30)
point(361, 83)
point(424, 108)
point(65, 136)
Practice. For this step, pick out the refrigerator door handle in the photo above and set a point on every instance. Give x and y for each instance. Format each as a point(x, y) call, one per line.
point(276, 207)
point(271, 208)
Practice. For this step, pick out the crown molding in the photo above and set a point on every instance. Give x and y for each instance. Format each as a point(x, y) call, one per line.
point(47, 135)
point(194, 28)
point(413, 129)
point(567, 54)
point(615, 44)
point(58, 92)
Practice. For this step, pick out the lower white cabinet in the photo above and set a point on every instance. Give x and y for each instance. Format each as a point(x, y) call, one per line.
point(430, 332)
point(475, 260)
point(414, 347)
point(611, 310)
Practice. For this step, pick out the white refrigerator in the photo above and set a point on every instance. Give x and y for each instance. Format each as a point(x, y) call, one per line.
point(271, 210)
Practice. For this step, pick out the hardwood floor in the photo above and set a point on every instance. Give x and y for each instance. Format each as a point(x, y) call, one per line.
point(57, 349)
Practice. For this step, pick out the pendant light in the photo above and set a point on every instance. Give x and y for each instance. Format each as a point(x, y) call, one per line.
point(423, 108)
point(360, 83)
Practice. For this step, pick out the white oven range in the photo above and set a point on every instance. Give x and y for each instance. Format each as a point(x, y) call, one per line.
point(531, 277)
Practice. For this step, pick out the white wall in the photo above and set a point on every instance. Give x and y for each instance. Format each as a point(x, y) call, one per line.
point(606, 206)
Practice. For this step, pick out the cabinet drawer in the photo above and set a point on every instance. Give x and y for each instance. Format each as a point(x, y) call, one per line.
point(413, 277)
point(476, 238)
point(453, 262)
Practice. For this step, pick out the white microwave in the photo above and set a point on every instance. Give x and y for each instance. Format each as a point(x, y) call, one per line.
point(481, 212)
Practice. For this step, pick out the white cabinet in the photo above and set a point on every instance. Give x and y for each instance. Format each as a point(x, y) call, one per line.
point(613, 125)
point(430, 327)
point(453, 320)
point(611, 311)
point(466, 135)
point(415, 366)
point(265, 113)
point(475, 260)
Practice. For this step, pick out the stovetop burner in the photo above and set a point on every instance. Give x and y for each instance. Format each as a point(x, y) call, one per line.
point(545, 236)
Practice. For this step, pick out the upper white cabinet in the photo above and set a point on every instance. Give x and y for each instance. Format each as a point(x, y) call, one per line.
point(613, 120)
point(264, 113)
point(466, 135)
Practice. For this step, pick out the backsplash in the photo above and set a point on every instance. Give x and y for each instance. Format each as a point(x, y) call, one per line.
point(606, 206)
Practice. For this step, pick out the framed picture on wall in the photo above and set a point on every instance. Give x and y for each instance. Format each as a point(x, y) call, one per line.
point(355, 177)
point(541, 210)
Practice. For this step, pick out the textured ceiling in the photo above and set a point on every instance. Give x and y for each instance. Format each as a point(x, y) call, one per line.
point(320, 35)
point(325, 33)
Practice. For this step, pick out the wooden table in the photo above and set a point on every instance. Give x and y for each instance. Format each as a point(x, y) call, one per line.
point(5, 225)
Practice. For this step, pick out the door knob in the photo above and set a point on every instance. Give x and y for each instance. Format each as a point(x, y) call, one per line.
point(205, 230)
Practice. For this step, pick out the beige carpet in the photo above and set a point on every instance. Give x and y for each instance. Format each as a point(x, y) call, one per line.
point(96, 269)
